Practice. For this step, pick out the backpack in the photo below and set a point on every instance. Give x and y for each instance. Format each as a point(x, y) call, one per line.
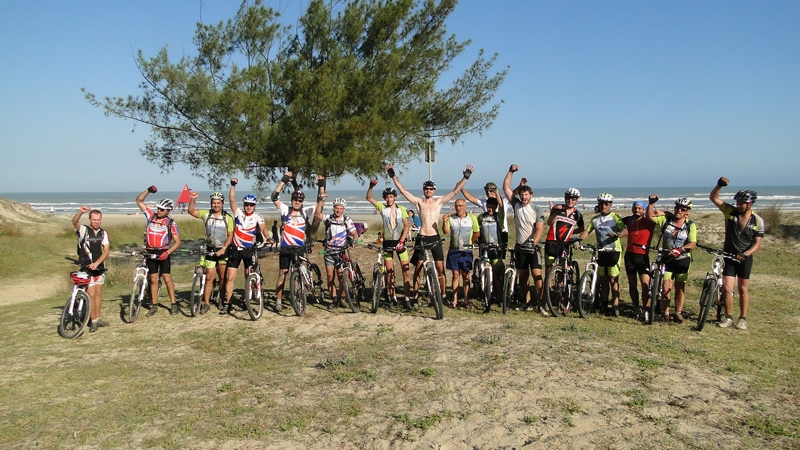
point(210, 239)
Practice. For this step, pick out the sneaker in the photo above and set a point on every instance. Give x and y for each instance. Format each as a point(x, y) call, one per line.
point(394, 301)
point(204, 308)
point(543, 312)
point(616, 311)
point(741, 325)
point(406, 304)
point(100, 323)
point(278, 306)
point(678, 318)
point(727, 322)
point(153, 310)
point(173, 309)
point(93, 326)
point(645, 316)
point(665, 317)
point(638, 313)
point(226, 309)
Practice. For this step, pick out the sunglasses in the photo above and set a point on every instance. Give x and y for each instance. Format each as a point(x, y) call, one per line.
point(681, 208)
point(252, 205)
point(428, 189)
point(162, 209)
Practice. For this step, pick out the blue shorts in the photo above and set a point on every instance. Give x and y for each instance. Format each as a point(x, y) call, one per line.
point(459, 260)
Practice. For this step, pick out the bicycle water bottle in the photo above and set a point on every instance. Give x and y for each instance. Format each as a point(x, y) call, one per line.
point(203, 259)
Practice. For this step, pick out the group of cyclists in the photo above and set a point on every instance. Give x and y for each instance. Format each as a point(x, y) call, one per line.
point(231, 239)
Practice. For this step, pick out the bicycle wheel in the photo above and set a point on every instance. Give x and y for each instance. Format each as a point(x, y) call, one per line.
point(706, 302)
point(297, 293)
point(585, 295)
point(572, 286)
point(554, 288)
point(476, 279)
point(487, 287)
point(75, 315)
point(253, 299)
point(196, 298)
point(349, 290)
point(435, 291)
point(359, 286)
point(508, 291)
point(135, 301)
point(317, 293)
point(377, 288)
point(656, 283)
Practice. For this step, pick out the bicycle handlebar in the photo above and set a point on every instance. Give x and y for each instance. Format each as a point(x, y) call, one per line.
point(715, 251)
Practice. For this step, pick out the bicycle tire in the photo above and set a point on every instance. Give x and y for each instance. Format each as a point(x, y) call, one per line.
point(487, 281)
point(377, 288)
point(706, 302)
point(253, 298)
point(75, 315)
point(435, 290)
point(554, 290)
point(349, 291)
point(317, 293)
point(136, 299)
point(359, 286)
point(476, 279)
point(195, 298)
point(508, 291)
point(297, 293)
point(585, 297)
point(573, 284)
point(656, 282)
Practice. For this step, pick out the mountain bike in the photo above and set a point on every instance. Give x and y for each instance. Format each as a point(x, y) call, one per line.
point(305, 279)
point(253, 296)
point(561, 283)
point(379, 278)
point(432, 286)
point(711, 295)
point(482, 273)
point(510, 278)
point(139, 289)
point(75, 315)
point(199, 283)
point(349, 273)
point(657, 270)
point(588, 293)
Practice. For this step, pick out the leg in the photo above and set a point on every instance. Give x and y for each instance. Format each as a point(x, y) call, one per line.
point(96, 299)
point(442, 276)
point(538, 283)
point(209, 286)
point(744, 297)
point(230, 280)
point(152, 278)
point(390, 278)
point(465, 284)
point(221, 272)
point(170, 286)
point(524, 274)
point(331, 283)
point(680, 294)
point(454, 286)
point(665, 295)
point(614, 281)
point(406, 278)
point(278, 284)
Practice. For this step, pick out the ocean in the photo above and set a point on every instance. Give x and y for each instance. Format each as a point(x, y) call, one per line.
point(787, 197)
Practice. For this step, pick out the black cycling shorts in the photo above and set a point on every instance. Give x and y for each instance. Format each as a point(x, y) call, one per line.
point(528, 259)
point(156, 266)
point(636, 263)
point(436, 251)
point(679, 266)
point(739, 269)
point(237, 255)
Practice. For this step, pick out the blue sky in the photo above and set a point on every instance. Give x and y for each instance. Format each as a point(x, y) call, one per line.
point(599, 94)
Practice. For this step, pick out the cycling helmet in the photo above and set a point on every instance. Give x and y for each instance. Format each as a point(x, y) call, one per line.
point(429, 183)
point(746, 196)
point(298, 195)
point(166, 203)
point(340, 202)
point(80, 278)
point(572, 192)
point(605, 197)
point(217, 196)
point(250, 198)
point(389, 191)
point(683, 202)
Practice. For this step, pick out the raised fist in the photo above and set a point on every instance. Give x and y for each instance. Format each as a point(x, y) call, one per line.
point(722, 182)
point(373, 183)
point(152, 189)
point(652, 198)
point(194, 195)
point(234, 181)
point(513, 168)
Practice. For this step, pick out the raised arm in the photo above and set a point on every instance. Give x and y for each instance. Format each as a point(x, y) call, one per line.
point(714, 195)
point(408, 195)
point(76, 219)
point(370, 198)
point(232, 194)
point(140, 198)
point(507, 182)
point(321, 196)
point(470, 198)
point(651, 206)
point(459, 186)
point(192, 209)
point(287, 177)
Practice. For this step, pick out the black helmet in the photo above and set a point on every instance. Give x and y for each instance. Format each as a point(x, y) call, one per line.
point(746, 196)
point(389, 191)
point(429, 184)
point(298, 195)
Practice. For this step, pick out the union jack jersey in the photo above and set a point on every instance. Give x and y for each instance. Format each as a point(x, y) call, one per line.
point(337, 230)
point(245, 228)
point(158, 233)
point(294, 225)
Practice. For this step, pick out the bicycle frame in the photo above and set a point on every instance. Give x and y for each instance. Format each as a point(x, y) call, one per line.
point(140, 277)
point(711, 294)
point(75, 314)
point(566, 277)
point(432, 286)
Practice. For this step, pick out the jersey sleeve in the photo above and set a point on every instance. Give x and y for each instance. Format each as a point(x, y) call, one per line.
point(728, 210)
point(660, 221)
point(692, 233)
point(591, 225)
point(174, 227)
point(148, 213)
point(403, 212)
point(351, 227)
point(228, 223)
point(620, 224)
point(475, 227)
point(759, 226)
point(106, 239)
point(380, 206)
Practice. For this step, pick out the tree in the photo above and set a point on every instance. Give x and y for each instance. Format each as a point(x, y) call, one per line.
point(353, 87)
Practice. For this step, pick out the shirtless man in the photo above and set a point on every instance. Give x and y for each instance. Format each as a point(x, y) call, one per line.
point(430, 210)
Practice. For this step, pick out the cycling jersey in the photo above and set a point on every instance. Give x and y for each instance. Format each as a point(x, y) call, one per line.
point(245, 228)
point(217, 228)
point(527, 216)
point(507, 208)
point(461, 229)
point(565, 225)
point(737, 241)
point(603, 225)
point(90, 246)
point(674, 236)
point(294, 225)
point(491, 232)
point(158, 233)
point(640, 233)
point(392, 221)
point(337, 230)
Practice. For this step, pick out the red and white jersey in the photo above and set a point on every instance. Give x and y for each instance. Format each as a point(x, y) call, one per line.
point(157, 234)
point(294, 225)
point(245, 228)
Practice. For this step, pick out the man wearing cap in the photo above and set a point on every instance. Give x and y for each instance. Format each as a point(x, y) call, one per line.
point(637, 260)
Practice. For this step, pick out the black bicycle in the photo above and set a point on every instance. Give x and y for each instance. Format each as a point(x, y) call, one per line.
point(349, 273)
point(561, 283)
point(305, 279)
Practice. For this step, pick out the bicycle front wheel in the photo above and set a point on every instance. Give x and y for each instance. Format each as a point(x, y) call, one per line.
point(75, 315)
point(585, 294)
point(435, 290)
point(359, 286)
point(706, 302)
point(656, 283)
point(476, 279)
point(487, 287)
point(508, 291)
point(135, 301)
point(196, 297)
point(297, 293)
point(377, 288)
point(316, 293)
point(554, 290)
point(253, 299)
point(349, 290)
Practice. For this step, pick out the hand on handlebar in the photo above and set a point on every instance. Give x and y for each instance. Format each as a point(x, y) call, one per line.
point(675, 252)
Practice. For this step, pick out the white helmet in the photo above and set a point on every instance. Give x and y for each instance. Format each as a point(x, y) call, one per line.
point(340, 201)
point(167, 204)
point(572, 192)
point(605, 197)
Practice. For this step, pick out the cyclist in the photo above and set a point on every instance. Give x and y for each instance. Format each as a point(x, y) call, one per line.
point(93, 249)
point(395, 232)
point(248, 231)
point(219, 234)
point(679, 236)
point(608, 228)
point(297, 223)
point(161, 238)
point(340, 232)
point(744, 231)
point(564, 221)
point(529, 227)
point(464, 231)
point(490, 225)
point(490, 189)
point(430, 209)
point(637, 261)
